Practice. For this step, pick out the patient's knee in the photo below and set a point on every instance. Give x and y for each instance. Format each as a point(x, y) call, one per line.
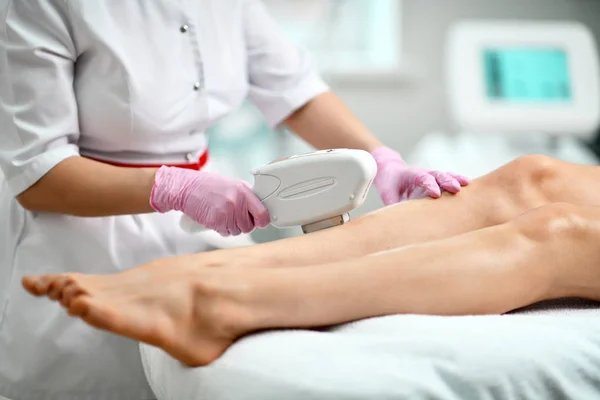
point(557, 221)
point(535, 169)
point(528, 181)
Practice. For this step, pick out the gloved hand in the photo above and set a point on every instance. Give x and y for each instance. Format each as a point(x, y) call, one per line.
point(397, 181)
point(223, 204)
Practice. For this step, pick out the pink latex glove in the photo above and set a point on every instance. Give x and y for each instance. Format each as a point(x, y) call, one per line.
point(223, 204)
point(397, 181)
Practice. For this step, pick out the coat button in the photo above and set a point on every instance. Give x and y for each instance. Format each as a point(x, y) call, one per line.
point(197, 86)
point(184, 28)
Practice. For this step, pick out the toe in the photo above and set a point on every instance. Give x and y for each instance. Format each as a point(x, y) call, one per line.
point(36, 285)
point(57, 285)
point(71, 291)
point(79, 306)
point(95, 313)
point(41, 285)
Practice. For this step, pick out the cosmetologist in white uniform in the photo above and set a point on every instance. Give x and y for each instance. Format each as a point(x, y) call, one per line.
point(96, 97)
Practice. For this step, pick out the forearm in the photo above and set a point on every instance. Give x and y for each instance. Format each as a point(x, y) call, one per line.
point(83, 187)
point(326, 122)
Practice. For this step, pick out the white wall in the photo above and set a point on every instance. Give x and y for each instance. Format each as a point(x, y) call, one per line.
point(400, 113)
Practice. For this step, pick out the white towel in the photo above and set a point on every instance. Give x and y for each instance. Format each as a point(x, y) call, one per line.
point(545, 352)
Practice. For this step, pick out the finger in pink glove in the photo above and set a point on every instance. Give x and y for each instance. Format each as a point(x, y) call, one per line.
point(223, 204)
point(397, 181)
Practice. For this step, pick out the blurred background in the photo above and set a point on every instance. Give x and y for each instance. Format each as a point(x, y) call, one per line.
point(387, 59)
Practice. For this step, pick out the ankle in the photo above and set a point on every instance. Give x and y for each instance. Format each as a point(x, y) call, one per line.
point(222, 296)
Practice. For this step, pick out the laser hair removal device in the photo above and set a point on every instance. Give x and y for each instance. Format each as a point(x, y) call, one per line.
point(314, 190)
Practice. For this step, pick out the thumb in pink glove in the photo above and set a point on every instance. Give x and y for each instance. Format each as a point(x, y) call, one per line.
point(223, 204)
point(397, 181)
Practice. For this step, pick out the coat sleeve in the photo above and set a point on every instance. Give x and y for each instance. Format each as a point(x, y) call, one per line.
point(282, 76)
point(38, 112)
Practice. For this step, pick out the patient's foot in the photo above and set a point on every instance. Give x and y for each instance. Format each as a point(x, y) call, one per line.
point(189, 312)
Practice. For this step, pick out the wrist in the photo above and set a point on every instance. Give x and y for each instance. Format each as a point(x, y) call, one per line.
point(147, 178)
point(373, 145)
point(168, 188)
point(384, 154)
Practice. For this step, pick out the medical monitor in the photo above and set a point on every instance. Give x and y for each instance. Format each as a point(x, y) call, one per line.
point(522, 77)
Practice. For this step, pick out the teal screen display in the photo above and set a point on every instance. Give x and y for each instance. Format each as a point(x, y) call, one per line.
point(527, 75)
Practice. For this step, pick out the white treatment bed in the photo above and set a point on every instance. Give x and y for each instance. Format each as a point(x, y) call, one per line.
point(547, 352)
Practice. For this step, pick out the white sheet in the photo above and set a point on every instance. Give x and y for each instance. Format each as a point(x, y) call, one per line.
point(547, 352)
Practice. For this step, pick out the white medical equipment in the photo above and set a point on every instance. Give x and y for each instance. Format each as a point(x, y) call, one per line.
point(314, 190)
point(516, 88)
point(520, 77)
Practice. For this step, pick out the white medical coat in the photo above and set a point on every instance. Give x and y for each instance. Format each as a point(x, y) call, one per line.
point(134, 81)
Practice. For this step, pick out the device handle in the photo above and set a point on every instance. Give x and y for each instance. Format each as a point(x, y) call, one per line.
point(191, 226)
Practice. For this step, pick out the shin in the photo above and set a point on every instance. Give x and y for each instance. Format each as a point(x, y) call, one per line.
point(547, 253)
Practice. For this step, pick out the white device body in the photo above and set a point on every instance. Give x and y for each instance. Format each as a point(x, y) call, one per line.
point(474, 111)
point(309, 188)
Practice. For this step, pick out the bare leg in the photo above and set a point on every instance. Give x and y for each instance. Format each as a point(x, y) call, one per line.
point(496, 198)
point(196, 313)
